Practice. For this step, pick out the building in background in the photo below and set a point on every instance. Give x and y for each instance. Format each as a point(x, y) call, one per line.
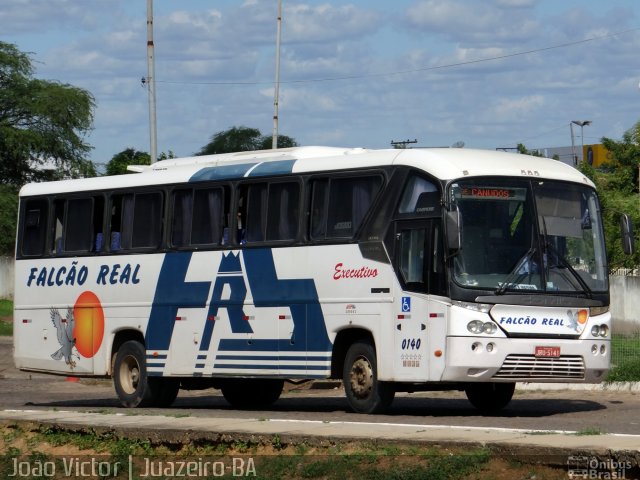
point(595, 154)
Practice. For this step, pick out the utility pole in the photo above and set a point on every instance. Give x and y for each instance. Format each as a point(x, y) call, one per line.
point(276, 92)
point(402, 144)
point(151, 83)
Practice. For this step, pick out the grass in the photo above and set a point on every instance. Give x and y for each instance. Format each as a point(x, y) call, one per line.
point(270, 459)
point(6, 311)
point(6, 308)
point(625, 358)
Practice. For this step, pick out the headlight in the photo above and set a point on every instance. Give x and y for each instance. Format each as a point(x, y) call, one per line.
point(489, 327)
point(477, 327)
point(600, 330)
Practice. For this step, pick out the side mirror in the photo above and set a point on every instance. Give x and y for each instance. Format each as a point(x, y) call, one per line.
point(454, 227)
point(626, 229)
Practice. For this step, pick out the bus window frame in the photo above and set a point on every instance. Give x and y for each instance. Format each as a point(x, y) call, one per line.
point(332, 176)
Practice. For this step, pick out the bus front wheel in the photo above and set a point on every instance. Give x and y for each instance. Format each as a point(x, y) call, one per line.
point(490, 397)
point(365, 393)
point(130, 376)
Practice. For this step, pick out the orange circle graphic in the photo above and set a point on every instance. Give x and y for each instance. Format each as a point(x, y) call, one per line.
point(583, 315)
point(88, 329)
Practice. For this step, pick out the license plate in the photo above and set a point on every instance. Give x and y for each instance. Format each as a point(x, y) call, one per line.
point(552, 352)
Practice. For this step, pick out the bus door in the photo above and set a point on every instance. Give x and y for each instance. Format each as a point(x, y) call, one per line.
point(419, 266)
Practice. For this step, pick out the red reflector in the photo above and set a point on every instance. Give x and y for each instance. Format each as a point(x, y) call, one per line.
point(245, 318)
point(179, 318)
point(211, 318)
point(26, 320)
point(400, 317)
point(281, 317)
point(433, 315)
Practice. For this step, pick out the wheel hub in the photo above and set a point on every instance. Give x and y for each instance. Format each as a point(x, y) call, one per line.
point(361, 378)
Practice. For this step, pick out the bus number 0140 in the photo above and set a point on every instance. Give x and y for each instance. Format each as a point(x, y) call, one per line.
point(411, 344)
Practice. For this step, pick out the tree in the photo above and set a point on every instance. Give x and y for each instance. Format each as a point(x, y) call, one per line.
point(41, 122)
point(617, 184)
point(130, 156)
point(523, 150)
point(242, 139)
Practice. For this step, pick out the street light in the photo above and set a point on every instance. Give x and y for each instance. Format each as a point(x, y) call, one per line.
point(581, 124)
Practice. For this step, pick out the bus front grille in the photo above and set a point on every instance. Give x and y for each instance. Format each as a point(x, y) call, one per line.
point(530, 367)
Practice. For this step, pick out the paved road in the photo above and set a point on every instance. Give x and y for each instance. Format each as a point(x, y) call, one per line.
point(563, 410)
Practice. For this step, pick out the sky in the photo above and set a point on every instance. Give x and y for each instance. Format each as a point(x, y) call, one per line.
point(490, 73)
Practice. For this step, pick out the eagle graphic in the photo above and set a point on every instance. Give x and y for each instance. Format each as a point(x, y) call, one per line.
point(64, 328)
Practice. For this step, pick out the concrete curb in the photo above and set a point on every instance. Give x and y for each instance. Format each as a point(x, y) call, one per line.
point(549, 447)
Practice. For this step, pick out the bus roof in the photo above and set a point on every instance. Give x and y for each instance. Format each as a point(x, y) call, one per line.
point(442, 163)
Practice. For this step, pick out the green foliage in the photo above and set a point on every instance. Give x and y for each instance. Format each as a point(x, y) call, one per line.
point(130, 156)
point(523, 150)
point(243, 139)
point(41, 122)
point(616, 184)
point(6, 308)
point(8, 218)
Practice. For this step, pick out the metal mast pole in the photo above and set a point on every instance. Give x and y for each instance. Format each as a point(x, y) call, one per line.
point(276, 93)
point(574, 160)
point(151, 81)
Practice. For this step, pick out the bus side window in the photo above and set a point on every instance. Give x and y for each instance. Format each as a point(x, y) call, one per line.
point(319, 197)
point(58, 227)
point(256, 212)
point(208, 216)
point(282, 211)
point(35, 227)
point(78, 232)
point(121, 222)
point(146, 224)
point(349, 203)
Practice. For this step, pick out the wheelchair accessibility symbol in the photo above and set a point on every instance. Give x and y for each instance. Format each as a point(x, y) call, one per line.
point(406, 304)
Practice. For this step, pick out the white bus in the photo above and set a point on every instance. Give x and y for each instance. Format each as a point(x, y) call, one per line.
point(393, 270)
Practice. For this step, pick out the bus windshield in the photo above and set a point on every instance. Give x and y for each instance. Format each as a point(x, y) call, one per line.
point(540, 236)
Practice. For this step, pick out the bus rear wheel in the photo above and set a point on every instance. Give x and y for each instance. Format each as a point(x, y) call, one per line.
point(365, 393)
point(490, 397)
point(130, 376)
point(251, 392)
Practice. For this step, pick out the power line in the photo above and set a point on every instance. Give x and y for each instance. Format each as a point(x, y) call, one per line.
point(415, 70)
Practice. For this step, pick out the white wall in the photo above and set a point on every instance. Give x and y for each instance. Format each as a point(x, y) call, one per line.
point(625, 303)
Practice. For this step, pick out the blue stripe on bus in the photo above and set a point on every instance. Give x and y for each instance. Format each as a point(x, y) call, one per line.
point(275, 357)
point(223, 172)
point(279, 167)
point(270, 367)
point(172, 292)
point(298, 295)
point(200, 365)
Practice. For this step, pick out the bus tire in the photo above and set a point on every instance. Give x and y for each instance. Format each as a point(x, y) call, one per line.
point(490, 397)
point(130, 376)
point(365, 393)
point(252, 392)
point(164, 390)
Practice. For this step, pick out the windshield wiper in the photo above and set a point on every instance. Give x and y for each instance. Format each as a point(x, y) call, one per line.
point(564, 263)
point(514, 277)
